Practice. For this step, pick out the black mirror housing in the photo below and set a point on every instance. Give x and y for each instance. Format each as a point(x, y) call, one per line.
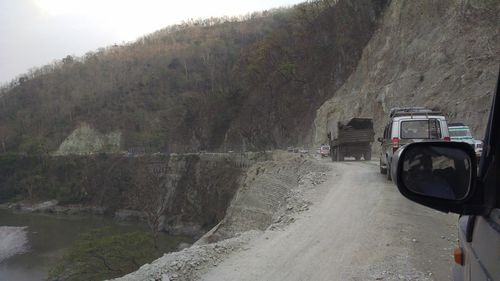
point(379, 139)
point(440, 175)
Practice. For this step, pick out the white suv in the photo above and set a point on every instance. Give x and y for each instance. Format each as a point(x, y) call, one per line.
point(407, 125)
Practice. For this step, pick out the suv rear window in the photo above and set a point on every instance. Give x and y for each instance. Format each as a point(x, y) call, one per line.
point(421, 129)
point(460, 133)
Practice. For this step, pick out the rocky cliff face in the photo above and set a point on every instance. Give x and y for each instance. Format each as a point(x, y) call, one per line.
point(204, 187)
point(86, 140)
point(438, 54)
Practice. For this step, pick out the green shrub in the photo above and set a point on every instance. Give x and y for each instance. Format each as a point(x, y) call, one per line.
point(101, 254)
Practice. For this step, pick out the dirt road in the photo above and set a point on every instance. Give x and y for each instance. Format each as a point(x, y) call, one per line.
point(358, 228)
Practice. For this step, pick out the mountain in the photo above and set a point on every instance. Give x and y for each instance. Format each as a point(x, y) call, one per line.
point(249, 83)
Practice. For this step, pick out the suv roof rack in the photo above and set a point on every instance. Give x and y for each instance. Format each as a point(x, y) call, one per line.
point(417, 110)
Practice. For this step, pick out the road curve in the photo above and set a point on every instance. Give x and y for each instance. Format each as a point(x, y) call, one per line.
point(358, 228)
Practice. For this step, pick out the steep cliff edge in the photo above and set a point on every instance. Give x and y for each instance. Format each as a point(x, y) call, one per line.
point(439, 54)
point(201, 185)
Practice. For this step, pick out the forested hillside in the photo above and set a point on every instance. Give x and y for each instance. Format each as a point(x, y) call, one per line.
point(219, 84)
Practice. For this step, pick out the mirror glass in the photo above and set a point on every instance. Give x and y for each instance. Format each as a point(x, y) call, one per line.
point(436, 171)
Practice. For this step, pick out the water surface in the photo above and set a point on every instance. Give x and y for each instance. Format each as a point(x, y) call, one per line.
point(33, 243)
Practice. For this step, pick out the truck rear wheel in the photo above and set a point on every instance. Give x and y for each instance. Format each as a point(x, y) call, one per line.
point(340, 154)
point(368, 155)
point(383, 170)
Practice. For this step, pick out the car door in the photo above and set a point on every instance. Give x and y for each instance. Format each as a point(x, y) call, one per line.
point(485, 247)
point(480, 235)
point(393, 133)
point(387, 143)
point(479, 238)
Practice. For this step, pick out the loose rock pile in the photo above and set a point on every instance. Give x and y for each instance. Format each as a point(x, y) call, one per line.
point(190, 262)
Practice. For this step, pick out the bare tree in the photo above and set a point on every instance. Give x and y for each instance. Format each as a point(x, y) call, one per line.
point(151, 194)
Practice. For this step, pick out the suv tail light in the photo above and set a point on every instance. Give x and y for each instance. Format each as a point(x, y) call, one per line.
point(395, 144)
point(446, 138)
point(458, 255)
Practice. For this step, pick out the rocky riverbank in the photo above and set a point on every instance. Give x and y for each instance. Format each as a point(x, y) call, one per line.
point(53, 207)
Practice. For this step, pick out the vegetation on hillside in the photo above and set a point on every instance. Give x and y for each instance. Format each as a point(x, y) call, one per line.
point(247, 83)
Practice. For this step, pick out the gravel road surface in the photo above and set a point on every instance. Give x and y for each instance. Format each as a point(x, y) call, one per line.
point(358, 227)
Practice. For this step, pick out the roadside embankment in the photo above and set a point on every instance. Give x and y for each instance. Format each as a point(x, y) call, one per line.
point(269, 197)
point(268, 193)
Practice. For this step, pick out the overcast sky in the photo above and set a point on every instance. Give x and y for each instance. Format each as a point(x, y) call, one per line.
point(35, 32)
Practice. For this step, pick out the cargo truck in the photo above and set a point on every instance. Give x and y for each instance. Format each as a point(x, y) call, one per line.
point(352, 138)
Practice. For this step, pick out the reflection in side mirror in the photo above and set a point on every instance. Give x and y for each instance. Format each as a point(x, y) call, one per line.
point(380, 139)
point(437, 171)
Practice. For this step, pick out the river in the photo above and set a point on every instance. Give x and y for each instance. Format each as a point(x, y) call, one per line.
point(30, 244)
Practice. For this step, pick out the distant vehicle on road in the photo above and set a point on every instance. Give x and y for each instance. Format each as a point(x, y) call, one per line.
point(324, 150)
point(352, 138)
point(407, 125)
point(443, 176)
point(461, 133)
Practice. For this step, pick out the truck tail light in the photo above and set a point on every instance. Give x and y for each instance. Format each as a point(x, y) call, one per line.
point(395, 144)
point(446, 138)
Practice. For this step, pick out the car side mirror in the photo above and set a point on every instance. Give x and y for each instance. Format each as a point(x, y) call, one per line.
point(379, 139)
point(441, 175)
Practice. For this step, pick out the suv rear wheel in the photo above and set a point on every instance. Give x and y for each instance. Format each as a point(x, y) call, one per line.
point(383, 170)
point(388, 170)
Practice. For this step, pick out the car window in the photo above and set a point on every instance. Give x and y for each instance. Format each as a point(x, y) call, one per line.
point(459, 133)
point(420, 129)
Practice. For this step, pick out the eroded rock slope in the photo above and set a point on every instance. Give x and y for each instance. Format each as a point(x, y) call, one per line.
point(439, 54)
